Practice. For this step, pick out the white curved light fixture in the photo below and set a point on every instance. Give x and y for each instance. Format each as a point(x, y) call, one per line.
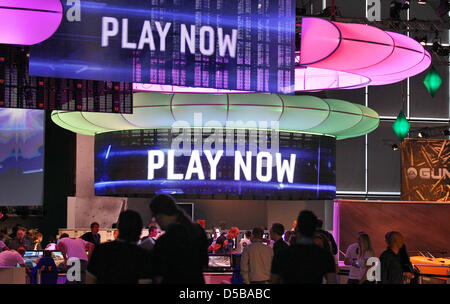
point(307, 114)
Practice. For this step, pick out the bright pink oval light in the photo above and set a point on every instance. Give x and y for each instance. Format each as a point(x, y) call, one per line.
point(320, 39)
point(370, 53)
point(406, 55)
point(314, 79)
point(27, 22)
point(359, 46)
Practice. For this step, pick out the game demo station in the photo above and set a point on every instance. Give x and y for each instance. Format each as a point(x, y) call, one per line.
point(218, 105)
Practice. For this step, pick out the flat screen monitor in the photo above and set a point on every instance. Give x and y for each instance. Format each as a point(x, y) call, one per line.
point(219, 261)
point(31, 258)
point(58, 257)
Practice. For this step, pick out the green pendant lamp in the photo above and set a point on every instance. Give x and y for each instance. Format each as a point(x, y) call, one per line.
point(432, 81)
point(401, 126)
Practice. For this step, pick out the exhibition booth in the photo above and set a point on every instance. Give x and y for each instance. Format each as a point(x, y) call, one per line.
point(219, 106)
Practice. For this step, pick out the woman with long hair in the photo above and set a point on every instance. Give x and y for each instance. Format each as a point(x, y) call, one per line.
point(365, 252)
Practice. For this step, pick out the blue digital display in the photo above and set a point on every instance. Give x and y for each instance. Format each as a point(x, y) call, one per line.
point(144, 163)
point(223, 44)
point(21, 157)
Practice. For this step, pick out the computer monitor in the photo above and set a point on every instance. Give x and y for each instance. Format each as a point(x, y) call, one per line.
point(217, 262)
point(57, 257)
point(30, 258)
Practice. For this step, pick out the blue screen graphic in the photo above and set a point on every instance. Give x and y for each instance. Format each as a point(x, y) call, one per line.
point(122, 169)
point(21, 157)
point(223, 44)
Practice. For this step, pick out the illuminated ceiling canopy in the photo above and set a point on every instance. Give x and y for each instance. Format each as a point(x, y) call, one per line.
point(358, 49)
point(337, 55)
point(294, 113)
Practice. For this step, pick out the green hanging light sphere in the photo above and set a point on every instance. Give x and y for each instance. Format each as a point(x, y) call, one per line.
point(432, 81)
point(401, 126)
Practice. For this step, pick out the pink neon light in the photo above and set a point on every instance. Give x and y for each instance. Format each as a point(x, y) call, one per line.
point(370, 53)
point(314, 79)
point(360, 46)
point(28, 22)
point(318, 33)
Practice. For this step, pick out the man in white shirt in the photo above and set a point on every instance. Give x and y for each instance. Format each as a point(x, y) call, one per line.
point(256, 260)
point(351, 258)
point(76, 248)
point(245, 241)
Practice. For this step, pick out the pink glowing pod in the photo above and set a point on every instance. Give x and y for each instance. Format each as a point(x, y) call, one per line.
point(350, 46)
point(27, 22)
point(375, 57)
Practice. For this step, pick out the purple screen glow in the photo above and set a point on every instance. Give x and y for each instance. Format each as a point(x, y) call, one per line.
point(21, 157)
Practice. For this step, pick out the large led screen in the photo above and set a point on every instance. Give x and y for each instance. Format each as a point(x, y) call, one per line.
point(222, 44)
point(21, 157)
point(148, 162)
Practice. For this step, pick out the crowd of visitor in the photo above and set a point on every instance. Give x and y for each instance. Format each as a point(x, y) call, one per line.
point(304, 254)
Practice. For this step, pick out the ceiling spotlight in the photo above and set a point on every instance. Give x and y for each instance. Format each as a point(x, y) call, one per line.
point(394, 147)
point(422, 134)
point(422, 2)
point(422, 40)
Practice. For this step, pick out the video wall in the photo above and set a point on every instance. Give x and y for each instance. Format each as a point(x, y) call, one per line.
point(146, 162)
point(21, 157)
point(222, 44)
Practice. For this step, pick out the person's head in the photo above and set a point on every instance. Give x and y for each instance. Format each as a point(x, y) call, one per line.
point(319, 225)
point(64, 235)
point(318, 240)
point(95, 227)
point(248, 234)
point(394, 240)
point(152, 231)
point(359, 233)
point(306, 224)
point(233, 233)
point(20, 234)
point(257, 234)
point(39, 237)
point(21, 250)
point(47, 253)
point(164, 210)
point(115, 234)
point(31, 233)
point(276, 231)
point(364, 243)
point(130, 226)
point(216, 232)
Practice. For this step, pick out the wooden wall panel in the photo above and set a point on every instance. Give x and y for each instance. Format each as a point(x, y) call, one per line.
point(423, 225)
